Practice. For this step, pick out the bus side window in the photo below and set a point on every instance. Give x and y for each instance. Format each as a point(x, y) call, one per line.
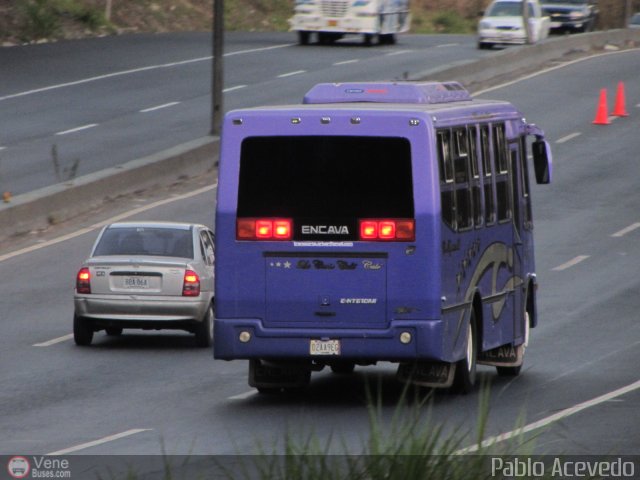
point(524, 170)
point(503, 198)
point(460, 157)
point(464, 206)
point(445, 159)
point(489, 205)
point(445, 163)
point(476, 188)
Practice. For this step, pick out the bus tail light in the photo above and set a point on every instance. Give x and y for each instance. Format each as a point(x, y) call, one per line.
point(388, 229)
point(191, 285)
point(264, 229)
point(83, 281)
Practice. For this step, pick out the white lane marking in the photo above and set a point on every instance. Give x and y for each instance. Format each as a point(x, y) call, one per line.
point(138, 70)
point(54, 341)
point(551, 69)
point(260, 49)
point(77, 129)
point(626, 230)
point(116, 218)
point(100, 441)
point(566, 138)
point(243, 396)
point(159, 107)
point(571, 263)
point(2, 148)
point(444, 45)
point(346, 62)
point(552, 418)
point(290, 74)
point(231, 89)
point(399, 52)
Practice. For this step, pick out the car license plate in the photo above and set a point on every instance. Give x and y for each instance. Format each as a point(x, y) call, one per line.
point(324, 347)
point(136, 282)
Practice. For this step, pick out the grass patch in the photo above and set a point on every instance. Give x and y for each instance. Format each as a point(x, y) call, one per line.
point(47, 19)
point(413, 444)
point(442, 22)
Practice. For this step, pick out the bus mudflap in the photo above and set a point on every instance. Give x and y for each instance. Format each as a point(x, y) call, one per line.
point(503, 356)
point(427, 374)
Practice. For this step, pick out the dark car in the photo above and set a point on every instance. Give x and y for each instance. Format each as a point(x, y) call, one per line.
point(572, 15)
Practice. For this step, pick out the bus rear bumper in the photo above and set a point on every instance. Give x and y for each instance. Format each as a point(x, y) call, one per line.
point(402, 341)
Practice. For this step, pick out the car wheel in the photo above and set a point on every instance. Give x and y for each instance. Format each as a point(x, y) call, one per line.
point(82, 331)
point(113, 331)
point(465, 376)
point(204, 329)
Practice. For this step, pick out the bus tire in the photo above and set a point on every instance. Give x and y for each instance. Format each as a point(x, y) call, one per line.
point(303, 37)
point(465, 377)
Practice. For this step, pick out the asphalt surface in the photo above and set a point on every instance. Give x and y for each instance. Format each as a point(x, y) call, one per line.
point(92, 104)
point(149, 393)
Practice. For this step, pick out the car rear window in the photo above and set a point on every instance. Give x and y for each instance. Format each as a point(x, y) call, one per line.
point(325, 177)
point(163, 242)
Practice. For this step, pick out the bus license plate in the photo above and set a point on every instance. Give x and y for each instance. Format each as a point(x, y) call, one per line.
point(332, 23)
point(324, 347)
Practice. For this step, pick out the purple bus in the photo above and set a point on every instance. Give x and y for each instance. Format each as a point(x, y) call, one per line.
point(377, 222)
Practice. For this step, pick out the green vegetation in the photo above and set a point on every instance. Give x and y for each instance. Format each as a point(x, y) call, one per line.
point(39, 19)
point(447, 21)
point(413, 444)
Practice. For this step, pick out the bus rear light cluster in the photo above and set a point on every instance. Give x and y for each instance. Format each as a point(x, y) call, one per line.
point(390, 230)
point(264, 229)
point(83, 281)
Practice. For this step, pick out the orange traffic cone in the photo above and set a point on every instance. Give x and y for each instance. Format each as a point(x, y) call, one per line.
point(602, 118)
point(619, 109)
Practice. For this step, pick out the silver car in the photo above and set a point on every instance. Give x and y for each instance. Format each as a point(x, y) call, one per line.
point(149, 275)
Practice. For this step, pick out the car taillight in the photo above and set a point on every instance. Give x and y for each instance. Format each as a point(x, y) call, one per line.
point(83, 281)
point(264, 229)
point(388, 229)
point(191, 286)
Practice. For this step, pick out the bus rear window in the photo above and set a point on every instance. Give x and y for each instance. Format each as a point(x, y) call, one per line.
point(332, 178)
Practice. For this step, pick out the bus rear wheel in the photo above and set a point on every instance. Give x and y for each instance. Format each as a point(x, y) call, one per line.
point(465, 377)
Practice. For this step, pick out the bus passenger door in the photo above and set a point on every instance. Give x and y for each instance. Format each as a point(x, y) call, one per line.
point(522, 235)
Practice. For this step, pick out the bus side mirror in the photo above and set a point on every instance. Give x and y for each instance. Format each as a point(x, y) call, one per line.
point(542, 161)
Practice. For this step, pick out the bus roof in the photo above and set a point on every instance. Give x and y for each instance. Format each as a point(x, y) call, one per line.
point(387, 92)
point(440, 101)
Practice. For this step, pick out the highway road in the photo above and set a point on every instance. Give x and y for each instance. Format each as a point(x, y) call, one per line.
point(153, 392)
point(103, 102)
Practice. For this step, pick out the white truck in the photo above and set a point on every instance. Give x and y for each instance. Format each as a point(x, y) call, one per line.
point(332, 19)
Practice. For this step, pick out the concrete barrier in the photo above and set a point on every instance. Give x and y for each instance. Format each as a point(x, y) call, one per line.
point(63, 201)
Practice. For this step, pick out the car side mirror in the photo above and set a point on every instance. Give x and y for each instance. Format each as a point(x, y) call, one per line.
point(542, 161)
